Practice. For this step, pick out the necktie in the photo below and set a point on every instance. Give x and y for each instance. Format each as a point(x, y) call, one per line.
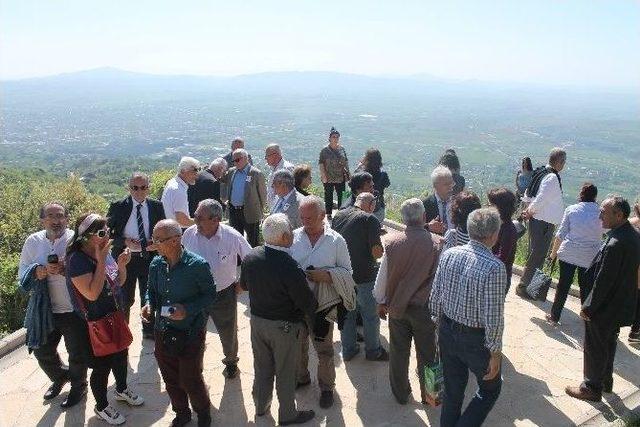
point(278, 205)
point(141, 233)
point(444, 214)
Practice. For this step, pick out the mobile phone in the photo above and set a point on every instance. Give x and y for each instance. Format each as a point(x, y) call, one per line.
point(167, 310)
point(52, 259)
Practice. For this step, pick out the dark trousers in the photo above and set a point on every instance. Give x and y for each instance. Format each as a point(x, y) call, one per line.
point(600, 341)
point(183, 375)
point(462, 350)
point(236, 220)
point(415, 324)
point(540, 237)
point(137, 271)
point(567, 271)
point(76, 340)
point(328, 195)
point(224, 314)
point(101, 367)
point(635, 327)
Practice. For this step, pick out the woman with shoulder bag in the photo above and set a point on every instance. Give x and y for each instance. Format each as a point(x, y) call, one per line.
point(95, 279)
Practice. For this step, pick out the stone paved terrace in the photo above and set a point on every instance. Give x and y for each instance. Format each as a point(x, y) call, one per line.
point(539, 361)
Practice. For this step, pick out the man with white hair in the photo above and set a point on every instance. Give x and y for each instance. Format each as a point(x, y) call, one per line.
point(544, 212)
point(247, 196)
point(323, 254)
point(402, 292)
point(437, 206)
point(221, 246)
point(273, 156)
point(467, 301)
point(207, 185)
point(174, 197)
point(287, 199)
point(280, 299)
point(361, 230)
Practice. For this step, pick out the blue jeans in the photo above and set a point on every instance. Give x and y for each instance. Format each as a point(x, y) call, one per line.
point(366, 304)
point(462, 350)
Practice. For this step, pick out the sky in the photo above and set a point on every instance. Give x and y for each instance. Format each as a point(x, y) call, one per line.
point(586, 43)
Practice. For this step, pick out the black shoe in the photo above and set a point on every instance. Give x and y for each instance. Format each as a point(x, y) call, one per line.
point(265, 412)
point(303, 417)
point(181, 419)
point(326, 399)
point(230, 372)
point(54, 390)
point(204, 419)
point(522, 293)
point(382, 356)
point(75, 395)
point(303, 384)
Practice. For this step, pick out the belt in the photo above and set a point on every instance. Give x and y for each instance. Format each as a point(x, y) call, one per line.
point(456, 326)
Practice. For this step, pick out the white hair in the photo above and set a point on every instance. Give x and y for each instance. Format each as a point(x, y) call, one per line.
point(440, 172)
point(275, 148)
point(213, 208)
point(283, 176)
point(483, 223)
point(312, 199)
point(364, 198)
point(274, 226)
point(218, 162)
point(187, 163)
point(241, 151)
point(171, 225)
point(412, 211)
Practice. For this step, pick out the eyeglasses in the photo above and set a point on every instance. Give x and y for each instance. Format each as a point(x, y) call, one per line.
point(157, 240)
point(101, 233)
point(196, 170)
point(141, 188)
point(269, 155)
point(237, 160)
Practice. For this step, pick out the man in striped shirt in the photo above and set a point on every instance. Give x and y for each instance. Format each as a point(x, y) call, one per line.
point(467, 300)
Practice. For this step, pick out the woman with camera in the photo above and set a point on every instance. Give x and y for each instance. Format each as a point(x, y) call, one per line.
point(96, 279)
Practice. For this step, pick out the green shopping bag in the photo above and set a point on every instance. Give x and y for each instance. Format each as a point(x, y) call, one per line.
point(434, 380)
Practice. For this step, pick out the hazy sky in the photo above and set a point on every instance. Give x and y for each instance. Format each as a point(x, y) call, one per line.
point(589, 42)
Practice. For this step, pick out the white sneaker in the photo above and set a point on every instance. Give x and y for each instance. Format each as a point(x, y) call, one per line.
point(130, 397)
point(110, 415)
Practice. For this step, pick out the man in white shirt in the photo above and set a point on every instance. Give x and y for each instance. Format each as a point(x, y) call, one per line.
point(544, 213)
point(276, 162)
point(287, 199)
point(220, 245)
point(46, 251)
point(174, 197)
point(316, 248)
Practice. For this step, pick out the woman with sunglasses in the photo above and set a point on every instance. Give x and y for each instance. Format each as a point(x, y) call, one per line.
point(95, 279)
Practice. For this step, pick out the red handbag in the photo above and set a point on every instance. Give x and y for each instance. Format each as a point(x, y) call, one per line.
point(109, 334)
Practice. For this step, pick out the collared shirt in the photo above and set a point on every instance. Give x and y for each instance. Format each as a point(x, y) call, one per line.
point(237, 186)
point(444, 211)
point(35, 250)
point(469, 288)
point(282, 164)
point(174, 197)
point(329, 251)
point(221, 251)
point(281, 202)
point(131, 228)
point(189, 282)
point(547, 205)
point(581, 234)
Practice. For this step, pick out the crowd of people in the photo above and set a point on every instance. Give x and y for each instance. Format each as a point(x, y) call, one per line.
point(441, 282)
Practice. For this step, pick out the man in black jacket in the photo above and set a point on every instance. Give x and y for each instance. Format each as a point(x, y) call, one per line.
point(611, 301)
point(437, 206)
point(280, 297)
point(131, 221)
point(207, 185)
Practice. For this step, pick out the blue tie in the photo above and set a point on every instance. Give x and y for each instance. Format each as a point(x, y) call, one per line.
point(141, 234)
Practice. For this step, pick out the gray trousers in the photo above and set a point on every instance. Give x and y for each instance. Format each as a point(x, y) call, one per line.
point(224, 314)
point(324, 350)
point(414, 324)
point(276, 350)
point(540, 237)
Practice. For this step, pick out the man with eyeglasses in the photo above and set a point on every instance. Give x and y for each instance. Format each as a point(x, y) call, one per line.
point(247, 196)
point(131, 221)
point(273, 156)
point(175, 197)
point(42, 274)
point(221, 246)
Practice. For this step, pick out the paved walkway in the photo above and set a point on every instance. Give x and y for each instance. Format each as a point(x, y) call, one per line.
point(539, 361)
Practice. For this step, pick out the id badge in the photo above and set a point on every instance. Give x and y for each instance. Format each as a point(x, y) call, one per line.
point(248, 178)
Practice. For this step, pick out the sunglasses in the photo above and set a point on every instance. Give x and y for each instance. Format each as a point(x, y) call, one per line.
point(102, 233)
point(237, 160)
point(196, 170)
point(141, 188)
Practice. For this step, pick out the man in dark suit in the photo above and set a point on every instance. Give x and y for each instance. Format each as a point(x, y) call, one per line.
point(437, 205)
point(279, 298)
point(247, 196)
point(611, 301)
point(207, 185)
point(131, 222)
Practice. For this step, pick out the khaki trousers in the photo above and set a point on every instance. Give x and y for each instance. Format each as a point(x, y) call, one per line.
point(324, 350)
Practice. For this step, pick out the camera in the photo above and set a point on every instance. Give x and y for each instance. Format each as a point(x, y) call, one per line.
point(52, 259)
point(167, 311)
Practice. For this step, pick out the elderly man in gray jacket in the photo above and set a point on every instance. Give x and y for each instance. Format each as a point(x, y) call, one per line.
point(287, 199)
